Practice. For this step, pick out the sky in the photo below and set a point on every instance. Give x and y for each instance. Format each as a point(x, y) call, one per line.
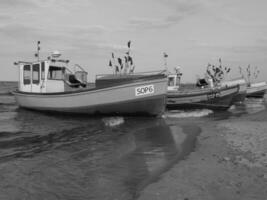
point(192, 32)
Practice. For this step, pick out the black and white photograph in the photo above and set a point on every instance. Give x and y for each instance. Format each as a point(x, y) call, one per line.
point(133, 100)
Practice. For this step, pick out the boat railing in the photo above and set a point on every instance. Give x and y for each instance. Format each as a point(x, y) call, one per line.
point(68, 70)
point(79, 67)
point(80, 74)
point(147, 73)
point(27, 62)
point(184, 90)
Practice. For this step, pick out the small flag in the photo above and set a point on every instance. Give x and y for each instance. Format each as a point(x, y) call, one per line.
point(112, 54)
point(120, 61)
point(38, 47)
point(117, 68)
point(130, 60)
point(132, 69)
point(165, 55)
point(129, 44)
point(110, 63)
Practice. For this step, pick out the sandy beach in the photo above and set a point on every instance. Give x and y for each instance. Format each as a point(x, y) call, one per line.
point(229, 163)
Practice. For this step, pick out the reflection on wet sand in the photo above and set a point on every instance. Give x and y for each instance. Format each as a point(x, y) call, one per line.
point(85, 159)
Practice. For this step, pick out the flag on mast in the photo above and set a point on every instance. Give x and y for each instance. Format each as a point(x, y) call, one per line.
point(165, 55)
point(129, 44)
point(110, 63)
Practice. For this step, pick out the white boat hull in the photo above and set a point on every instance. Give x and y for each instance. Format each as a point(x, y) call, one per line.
point(121, 99)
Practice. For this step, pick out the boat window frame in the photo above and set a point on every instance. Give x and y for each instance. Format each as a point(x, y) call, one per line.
point(27, 77)
point(42, 70)
point(36, 69)
point(50, 76)
point(171, 80)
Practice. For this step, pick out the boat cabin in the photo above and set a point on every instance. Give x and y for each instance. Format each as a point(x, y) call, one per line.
point(173, 82)
point(174, 79)
point(50, 76)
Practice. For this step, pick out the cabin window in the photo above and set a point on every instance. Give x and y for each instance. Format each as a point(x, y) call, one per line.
point(56, 73)
point(36, 74)
point(178, 82)
point(171, 81)
point(43, 70)
point(26, 74)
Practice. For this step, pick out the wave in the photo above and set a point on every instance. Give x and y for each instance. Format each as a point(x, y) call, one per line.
point(7, 115)
point(25, 144)
point(7, 100)
point(186, 114)
point(113, 121)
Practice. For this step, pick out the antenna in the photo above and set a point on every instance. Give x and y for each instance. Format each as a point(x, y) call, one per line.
point(165, 56)
point(38, 50)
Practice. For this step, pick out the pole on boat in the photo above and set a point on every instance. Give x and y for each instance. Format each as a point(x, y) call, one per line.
point(165, 56)
point(38, 50)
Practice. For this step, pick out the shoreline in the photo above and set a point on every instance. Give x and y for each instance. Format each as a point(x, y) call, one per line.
point(229, 162)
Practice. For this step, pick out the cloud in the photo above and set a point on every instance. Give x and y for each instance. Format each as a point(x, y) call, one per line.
point(148, 23)
point(239, 12)
point(18, 31)
point(236, 20)
point(11, 4)
point(74, 39)
point(99, 46)
point(22, 31)
point(87, 31)
point(177, 10)
point(250, 49)
point(182, 6)
point(5, 17)
point(247, 49)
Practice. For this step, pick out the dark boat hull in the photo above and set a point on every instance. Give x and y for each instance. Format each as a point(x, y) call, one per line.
point(258, 94)
point(239, 97)
point(220, 99)
point(256, 90)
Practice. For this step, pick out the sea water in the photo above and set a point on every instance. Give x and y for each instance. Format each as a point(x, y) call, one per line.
point(44, 156)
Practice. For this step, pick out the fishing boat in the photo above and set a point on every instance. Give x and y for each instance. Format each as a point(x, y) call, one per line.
point(210, 97)
point(256, 90)
point(49, 85)
point(242, 93)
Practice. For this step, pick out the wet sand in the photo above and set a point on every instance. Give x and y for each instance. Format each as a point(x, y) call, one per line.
point(229, 163)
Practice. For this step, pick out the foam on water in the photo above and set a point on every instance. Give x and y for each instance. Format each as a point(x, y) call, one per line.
point(185, 114)
point(113, 121)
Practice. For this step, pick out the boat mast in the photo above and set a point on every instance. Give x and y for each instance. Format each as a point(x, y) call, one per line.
point(165, 56)
point(38, 50)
